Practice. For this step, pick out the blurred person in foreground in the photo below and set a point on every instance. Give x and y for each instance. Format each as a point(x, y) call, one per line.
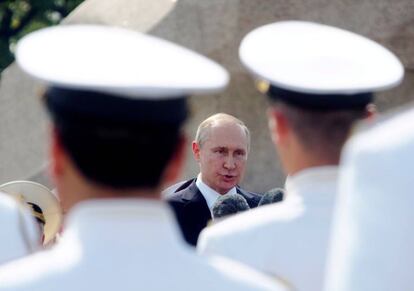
point(117, 102)
point(372, 234)
point(221, 148)
point(320, 81)
point(18, 229)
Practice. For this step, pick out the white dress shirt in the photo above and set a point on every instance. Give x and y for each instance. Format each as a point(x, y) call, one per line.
point(287, 240)
point(209, 194)
point(126, 244)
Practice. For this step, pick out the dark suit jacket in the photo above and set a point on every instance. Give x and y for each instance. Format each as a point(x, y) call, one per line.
point(191, 209)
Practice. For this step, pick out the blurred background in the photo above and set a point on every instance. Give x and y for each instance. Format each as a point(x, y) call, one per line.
point(213, 28)
point(19, 17)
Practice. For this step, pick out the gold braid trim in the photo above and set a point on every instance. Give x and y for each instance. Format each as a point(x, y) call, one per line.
point(39, 216)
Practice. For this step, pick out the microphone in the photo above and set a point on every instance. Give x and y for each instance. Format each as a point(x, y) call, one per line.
point(229, 204)
point(272, 196)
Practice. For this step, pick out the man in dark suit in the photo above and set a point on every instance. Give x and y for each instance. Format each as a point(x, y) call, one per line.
point(221, 148)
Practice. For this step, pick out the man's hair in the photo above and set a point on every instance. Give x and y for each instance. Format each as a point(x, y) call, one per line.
point(203, 129)
point(117, 154)
point(322, 132)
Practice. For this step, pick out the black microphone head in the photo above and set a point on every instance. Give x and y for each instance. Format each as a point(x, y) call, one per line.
point(272, 196)
point(229, 204)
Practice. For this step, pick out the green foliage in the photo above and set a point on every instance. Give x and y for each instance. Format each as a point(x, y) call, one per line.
point(19, 17)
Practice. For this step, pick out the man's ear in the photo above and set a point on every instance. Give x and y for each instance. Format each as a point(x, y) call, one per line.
point(371, 111)
point(57, 154)
point(173, 169)
point(278, 125)
point(196, 151)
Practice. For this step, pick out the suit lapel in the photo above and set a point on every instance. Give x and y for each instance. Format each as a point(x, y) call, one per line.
point(195, 202)
point(195, 213)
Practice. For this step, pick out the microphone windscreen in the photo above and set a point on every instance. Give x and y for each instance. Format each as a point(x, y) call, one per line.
point(229, 204)
point(272, 196)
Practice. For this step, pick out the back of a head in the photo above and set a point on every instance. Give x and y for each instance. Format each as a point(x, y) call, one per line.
point(272, 196)
point(123, 155)
point(229, 204)
point(322, 132)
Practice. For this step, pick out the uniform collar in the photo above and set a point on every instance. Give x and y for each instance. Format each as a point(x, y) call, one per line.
point(123, 223)
point(316, 179)
point(209, 194)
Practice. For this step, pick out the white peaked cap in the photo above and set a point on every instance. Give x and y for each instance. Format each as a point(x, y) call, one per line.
point(38, 194)
point(117, 61)
point(313, 58)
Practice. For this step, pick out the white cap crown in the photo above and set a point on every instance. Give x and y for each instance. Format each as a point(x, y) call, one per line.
point(318, 59)
point(117, 61)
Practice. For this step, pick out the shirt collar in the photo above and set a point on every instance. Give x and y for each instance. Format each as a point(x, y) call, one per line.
point(121, 222)
point(209, 194)
point(312, 179)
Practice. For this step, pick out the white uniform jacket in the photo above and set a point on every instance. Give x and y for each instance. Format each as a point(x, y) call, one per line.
point(129, 244)
point(287, 240)
point(19, 231)
point(372, 246)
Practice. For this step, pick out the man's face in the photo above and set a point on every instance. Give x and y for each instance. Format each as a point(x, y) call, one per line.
point(222, 157)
